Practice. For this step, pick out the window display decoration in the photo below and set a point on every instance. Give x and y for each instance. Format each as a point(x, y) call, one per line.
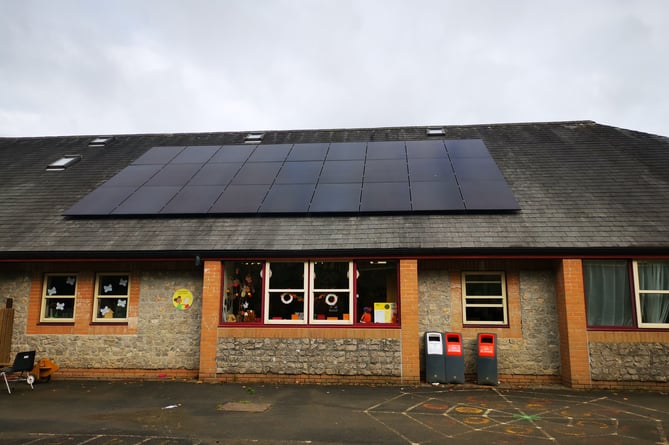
point(331, 299)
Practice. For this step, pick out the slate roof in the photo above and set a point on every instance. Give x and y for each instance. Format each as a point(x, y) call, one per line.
point(583, 188)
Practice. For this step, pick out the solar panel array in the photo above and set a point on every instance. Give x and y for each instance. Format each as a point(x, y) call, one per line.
point(358, 177)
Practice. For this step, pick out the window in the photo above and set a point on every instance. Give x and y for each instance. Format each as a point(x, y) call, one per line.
point(484, 298)
point(608, 295)
point(652, 293)
point(111, 297)
point(310, 292)
point(63, 163)
point(242, 299)
point(58, 297)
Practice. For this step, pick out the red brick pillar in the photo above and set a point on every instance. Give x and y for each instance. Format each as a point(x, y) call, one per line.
point(410, 336)
point(574, 355)
point(211, 301)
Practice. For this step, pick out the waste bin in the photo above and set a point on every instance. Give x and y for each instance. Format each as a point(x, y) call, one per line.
point(454, 359)
point(435, 369)
point(486, 359)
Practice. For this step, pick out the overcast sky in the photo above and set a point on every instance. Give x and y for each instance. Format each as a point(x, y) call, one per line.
point(158, 66)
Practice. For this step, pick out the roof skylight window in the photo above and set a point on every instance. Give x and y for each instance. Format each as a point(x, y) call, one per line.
point(435, 131)
point(100, 141)
point(254, 138)
point(63, 163)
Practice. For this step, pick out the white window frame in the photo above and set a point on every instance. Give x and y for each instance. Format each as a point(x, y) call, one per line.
point(97, 318)
point(46, 297)
point(637, 296)
point(313, 292)
point(268, 291)
point(503, 297)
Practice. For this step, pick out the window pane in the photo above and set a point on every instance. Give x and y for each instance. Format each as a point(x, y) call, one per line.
point(113, 285)
point(332, 306)
point(57, 285)
point(111, 297)
point(485, 314)
point(112, 308)
point(56, 308)
point(654, 308)
point(483, 285)
point(607, 293)
point(242, 300)
point(286, 306)
point(376, 283)
point(653, 275)
point(484, 298)
point(286, 276)
point(331, 275)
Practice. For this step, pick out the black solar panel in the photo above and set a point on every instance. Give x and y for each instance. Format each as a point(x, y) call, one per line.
point(347, 177)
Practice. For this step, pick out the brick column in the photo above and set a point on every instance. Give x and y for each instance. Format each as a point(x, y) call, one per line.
point(410, 336)
point(574, 355)
point(211, 301)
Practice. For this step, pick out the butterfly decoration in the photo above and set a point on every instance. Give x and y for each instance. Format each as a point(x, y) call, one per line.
point(71, 281)
point(51, 291)
point(60, 306)
point(121, 303)
point(108, 288)
point(123, 282)
point(104, 311)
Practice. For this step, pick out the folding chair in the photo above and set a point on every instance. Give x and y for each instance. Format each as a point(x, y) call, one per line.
point(20, 370)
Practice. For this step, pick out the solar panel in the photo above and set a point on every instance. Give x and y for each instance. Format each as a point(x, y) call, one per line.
point(217, 173)
point(146, 201)
point(336, 198)
point(193, 199)
point(299, 172)
point(288, 198)
point(196, 154)
point(347, 177)
point(308, 152)
point(233, 153)
point(257, 173)
point(133, 175)
point(386, 150)
point(430, 170)
point(174, 174)
point(342, 171)
point(385, 197)
point(347, 151)
point(426, 149)
point(467, 148)
point(436, 196)
point(386, 170)
point(240, 199)
point(159, 155)
point(270, 153)
point(101, 201)
point(488, 195)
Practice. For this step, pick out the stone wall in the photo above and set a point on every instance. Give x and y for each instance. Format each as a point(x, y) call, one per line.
point(311, 356)
point(537, 352)
point(166, 338)
point(629, 362)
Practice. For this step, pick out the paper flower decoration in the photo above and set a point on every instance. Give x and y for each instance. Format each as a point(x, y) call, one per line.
point(121, 303)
